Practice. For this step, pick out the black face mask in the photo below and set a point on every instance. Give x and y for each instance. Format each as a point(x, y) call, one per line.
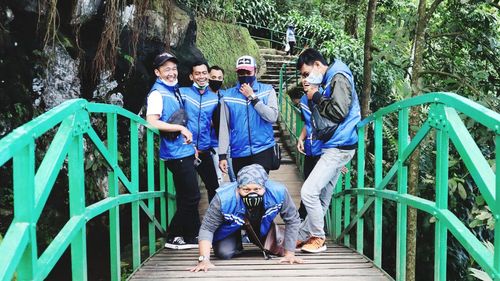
point(214, 84)
point(246, 79)
point(253, 202)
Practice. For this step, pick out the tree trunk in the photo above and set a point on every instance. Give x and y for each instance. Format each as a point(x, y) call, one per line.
point(367, 63)
point(413, 170)
point(351, 18)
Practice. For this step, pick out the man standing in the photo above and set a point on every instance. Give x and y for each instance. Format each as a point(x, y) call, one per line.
point(164, 100)
point(290, 39)
point(248, 111)
point(200, 104)
point(254, 199)
point(214, 84)
point(332, 93)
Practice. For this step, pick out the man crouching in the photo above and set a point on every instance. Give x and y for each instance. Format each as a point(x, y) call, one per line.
point(256, 199)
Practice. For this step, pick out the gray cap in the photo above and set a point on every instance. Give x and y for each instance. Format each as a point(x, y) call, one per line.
point(254, 173)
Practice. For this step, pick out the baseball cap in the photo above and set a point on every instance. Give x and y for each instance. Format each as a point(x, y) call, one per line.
point(163, 58)
point(246, 62)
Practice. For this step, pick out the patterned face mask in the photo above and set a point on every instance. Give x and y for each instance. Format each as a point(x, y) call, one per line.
point(252, 200)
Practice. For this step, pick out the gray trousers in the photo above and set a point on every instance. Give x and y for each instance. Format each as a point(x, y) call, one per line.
point(316, 193)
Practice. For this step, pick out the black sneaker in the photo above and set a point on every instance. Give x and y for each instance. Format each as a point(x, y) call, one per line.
point(178, 243)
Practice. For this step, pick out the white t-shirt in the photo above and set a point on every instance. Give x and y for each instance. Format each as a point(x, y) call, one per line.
point(155, 104)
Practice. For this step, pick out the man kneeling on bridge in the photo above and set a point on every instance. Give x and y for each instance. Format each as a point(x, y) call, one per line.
point(253, 199)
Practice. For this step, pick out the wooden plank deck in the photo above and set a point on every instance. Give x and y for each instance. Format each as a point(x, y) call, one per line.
point(337, 263)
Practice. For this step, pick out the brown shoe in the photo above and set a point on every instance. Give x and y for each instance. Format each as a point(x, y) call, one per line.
point(314, 245)
point(299, 244)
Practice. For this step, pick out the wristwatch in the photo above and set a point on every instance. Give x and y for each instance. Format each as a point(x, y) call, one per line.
point(203, 258)
point(252, 97)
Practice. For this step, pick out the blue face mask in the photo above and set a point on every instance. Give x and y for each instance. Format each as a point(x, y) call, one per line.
point(246, 79)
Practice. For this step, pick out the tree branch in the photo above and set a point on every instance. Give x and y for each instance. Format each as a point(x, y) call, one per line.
point(460, 80)
point(432, 9)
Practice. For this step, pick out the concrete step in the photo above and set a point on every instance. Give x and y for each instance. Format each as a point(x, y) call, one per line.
point(271, 51)
point(277, 57)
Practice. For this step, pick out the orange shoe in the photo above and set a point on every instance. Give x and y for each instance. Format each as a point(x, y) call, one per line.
point(299, 244)
point(314, 245)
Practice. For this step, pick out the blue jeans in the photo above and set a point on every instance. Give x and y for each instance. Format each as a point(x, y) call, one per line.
point(316, 193)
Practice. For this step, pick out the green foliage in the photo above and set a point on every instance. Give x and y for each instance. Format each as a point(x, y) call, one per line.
point(222, 44)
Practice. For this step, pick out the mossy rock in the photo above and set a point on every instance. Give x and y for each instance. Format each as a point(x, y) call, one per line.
point(222, 44)
point(263, 43)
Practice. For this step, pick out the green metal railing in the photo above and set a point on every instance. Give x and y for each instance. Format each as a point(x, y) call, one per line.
point(277, 38)
point(32, 187)
point(443, 119)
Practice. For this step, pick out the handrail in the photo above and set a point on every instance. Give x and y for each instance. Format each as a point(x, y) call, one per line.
point(32, 188)
point(442, 118)
point(301, 41)
point(289, 113)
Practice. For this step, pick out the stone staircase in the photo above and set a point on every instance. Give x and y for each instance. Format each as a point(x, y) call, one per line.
point(270, 72)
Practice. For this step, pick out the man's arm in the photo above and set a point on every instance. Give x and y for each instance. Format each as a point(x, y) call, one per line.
point(212, 220)
point(223, 130)
point(268, 112)
point(291, 218)
point(336, 107)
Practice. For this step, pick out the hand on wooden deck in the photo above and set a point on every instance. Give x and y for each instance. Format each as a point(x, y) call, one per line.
point(290, 258)
point(202, 266)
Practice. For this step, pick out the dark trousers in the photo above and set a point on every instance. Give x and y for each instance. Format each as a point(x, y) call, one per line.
point(228, 247)
point(207, 173)
point(292, 46)
point(309, 163)
point(186, 220)
point(263, 158)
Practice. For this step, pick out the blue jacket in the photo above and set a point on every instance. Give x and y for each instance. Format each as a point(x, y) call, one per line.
point(175, 149)
point(346, 133)
point(249, 133)
point(200, 109)
point(312, 147)
point(233, 209)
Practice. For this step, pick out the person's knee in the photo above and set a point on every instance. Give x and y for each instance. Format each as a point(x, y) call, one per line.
point(227, 255)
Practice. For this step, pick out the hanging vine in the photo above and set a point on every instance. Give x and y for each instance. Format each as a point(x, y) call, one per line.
point(138, 24)
point(107, 48)
point(48, 9)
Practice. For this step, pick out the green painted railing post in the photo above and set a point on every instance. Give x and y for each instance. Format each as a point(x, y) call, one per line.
point(377, 228)
point(360, 184)
point(76, 174)
point(163, 199)
point(347, 205)
point(134, 177)
point(151, 187)
point(337, 214)
point(496, 255)
point(171, 204)
point(402, 208)
point(24, 190)
point(441, 231)
point(114, 212)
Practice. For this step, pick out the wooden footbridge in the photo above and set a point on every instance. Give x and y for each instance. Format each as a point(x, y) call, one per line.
point(154, 202)
point(337, 263)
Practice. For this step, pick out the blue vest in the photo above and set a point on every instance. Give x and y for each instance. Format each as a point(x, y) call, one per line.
point(233, 209)
point(175, 149)
point(346, 133)
point(312, 147)
point(249, 133)
point(200, 109)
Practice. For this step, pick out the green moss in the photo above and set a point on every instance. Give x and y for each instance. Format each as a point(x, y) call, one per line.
point(222, 44)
